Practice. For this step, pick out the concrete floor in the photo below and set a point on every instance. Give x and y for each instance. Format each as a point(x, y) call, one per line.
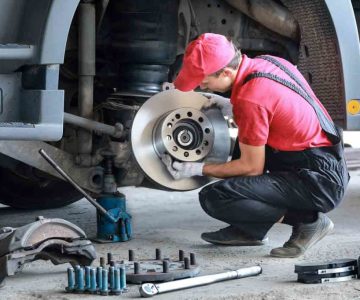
point(173, 221)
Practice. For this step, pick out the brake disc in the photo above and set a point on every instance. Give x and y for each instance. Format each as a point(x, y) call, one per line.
point(172, 122)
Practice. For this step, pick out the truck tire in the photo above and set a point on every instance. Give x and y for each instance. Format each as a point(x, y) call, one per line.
point(30, 192)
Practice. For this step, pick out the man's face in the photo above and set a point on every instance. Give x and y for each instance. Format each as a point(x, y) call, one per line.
point(220, 83)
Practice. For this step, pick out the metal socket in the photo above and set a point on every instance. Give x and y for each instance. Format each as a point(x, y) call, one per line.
point(71, 280)
point(131, 255)
point(165, 266)
point(181, 255)
point(111, 277)
point(92, 288)
point(109, 258)
point(87, 278)
point(192, 259)
point(99, 277)
point(122, 277)
point(79, 275)
point(102, 262)
point(186, 263)
point(158, 254)
point(105, 283)
point(136, 267)
point(116, 290)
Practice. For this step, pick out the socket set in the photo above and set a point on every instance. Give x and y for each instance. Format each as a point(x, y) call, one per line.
point(333, 271)
point(100, 280)
point(159, 268)
point(110, 277)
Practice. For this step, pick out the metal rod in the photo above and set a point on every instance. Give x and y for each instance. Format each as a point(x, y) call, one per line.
point(115, 131)
point(269, 14)
point(75, 185)
point(150, 289)
point(87, 46)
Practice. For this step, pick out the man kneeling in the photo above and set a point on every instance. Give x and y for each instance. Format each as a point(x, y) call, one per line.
point(291, 168)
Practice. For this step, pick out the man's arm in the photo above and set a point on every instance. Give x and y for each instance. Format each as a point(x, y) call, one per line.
point(251, 163)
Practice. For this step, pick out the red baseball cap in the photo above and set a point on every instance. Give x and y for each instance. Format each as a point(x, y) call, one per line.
point(204, 56)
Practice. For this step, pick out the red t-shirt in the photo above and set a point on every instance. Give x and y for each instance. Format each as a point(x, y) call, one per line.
point(267, 112)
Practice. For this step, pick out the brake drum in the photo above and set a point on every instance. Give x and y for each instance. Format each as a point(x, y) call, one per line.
point(173, 123)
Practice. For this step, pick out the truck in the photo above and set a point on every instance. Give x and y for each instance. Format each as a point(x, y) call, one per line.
point(74, 76)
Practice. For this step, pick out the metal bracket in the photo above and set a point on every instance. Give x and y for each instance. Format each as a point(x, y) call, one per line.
point(27, 152)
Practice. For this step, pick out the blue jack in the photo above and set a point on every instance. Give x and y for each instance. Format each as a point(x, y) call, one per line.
point(119, 231)
point(113, 222)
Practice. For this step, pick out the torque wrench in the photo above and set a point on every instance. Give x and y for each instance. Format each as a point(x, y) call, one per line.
point(151, 289)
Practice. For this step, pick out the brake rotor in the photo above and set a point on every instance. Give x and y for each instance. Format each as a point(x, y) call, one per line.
point(172, 122)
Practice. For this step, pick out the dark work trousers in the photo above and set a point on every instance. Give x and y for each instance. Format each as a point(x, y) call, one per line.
point(298, 185)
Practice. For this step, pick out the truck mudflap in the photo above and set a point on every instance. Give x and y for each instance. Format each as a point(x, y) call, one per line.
point(330, 54)
point(343, 17)
point(56, 240)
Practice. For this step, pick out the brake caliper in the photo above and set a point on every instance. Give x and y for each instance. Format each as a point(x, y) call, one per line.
point(56, 240)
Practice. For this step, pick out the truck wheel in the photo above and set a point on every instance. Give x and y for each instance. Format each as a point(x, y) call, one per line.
point(30, 192)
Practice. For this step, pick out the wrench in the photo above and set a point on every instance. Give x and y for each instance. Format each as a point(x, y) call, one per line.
point(151, 289)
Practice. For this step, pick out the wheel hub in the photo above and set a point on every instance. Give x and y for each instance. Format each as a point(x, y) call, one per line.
point(173, 123)
point(185, 133)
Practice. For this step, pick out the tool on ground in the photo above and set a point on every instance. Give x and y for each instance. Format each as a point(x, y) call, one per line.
point(56, 240)
point(113, 222)
point(151, 289)
point(332, 271)
point(156, 269)
point(100, 280)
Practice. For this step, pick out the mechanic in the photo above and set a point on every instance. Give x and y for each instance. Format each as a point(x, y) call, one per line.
point(291, 167)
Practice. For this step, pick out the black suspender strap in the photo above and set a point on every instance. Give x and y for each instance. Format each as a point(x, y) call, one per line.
point(285, 70)
point(327, 125)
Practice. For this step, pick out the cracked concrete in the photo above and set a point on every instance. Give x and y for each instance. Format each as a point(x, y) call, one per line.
point(173, 221)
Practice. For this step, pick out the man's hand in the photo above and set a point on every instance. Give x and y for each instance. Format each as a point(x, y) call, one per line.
point(180, 170)
point(218, 101)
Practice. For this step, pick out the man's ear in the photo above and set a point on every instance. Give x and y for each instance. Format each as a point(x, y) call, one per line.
point(226, 72)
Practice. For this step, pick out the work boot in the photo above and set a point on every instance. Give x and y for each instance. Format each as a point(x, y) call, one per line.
point(231, 236)
point(303, 237)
